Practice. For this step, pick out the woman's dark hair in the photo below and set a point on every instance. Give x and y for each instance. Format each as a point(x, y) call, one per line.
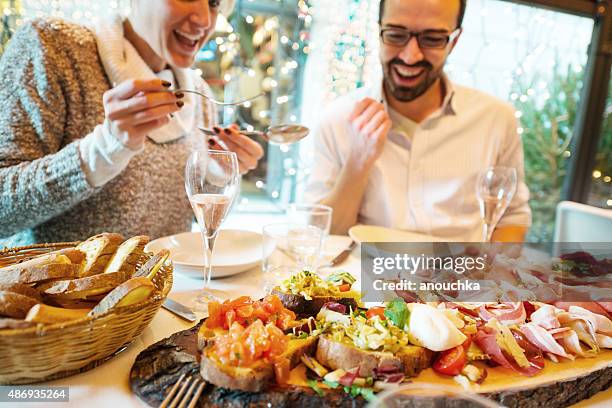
point(462, 5)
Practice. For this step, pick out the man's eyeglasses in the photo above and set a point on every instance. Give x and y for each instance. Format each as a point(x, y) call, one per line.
point(399, 37)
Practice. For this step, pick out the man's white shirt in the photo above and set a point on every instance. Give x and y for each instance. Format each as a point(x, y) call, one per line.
point(425, 179)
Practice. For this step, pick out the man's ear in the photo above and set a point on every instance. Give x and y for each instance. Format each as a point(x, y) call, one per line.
point(455, 40)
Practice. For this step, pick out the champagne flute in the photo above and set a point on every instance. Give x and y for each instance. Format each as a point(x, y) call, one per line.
point(212, 182)
point(495, 188)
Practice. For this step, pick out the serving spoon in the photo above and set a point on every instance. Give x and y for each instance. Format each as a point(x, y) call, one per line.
point(279, 134)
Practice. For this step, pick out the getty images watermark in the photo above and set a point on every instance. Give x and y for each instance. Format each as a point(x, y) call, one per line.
point(469, 272)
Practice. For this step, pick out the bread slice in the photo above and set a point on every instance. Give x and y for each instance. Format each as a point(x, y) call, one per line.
point(62, 256)
point(334, 355)
point(153, 265)
point(256, 378)
point(15, 305)
point(41, 313)
point(98, 251)
point(65, 263)
point(303, 307)
point(128, 253)
point(74, 303)
point(252, 379)
point(25, 290)
point(8, 323)
point(84, 288)
point(130, 292)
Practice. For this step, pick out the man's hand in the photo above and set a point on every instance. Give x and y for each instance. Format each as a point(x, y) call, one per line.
point(248, 151)
point(136, 107)
point(371, 124)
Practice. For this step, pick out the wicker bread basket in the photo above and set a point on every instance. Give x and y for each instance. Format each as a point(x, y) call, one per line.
point(52, 351)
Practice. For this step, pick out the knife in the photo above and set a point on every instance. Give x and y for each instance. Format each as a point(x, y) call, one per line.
point(341, 256)
point(179, 310)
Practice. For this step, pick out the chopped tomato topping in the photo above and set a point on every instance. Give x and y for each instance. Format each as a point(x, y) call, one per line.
point(451, 362)
point(245, 311)
point(243, 347)
point(345, 287)
point(376, 311)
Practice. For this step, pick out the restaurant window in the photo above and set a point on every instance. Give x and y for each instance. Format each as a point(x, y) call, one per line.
point(533, 58)
point(601, 184)
point(303, 54)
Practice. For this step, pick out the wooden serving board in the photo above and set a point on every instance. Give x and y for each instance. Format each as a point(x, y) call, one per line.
point(158, 367)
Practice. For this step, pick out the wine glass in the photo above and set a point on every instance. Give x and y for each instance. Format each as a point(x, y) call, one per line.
point(495, 188)
point(212, 182)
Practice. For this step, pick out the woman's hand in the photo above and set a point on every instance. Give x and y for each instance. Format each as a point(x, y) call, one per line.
point(136, 107)
point(248, 151)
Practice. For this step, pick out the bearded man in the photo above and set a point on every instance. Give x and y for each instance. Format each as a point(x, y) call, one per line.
point(406, 154)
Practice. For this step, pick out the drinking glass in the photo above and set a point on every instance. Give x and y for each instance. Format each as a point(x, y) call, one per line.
point(287, 249)
point(318, 215)
point(212, 182)
point(429, 395)
point(495, 188)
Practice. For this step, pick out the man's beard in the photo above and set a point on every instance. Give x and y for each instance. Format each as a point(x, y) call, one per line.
point(408, 94)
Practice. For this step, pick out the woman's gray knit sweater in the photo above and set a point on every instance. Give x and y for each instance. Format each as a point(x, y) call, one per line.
point(51, 87)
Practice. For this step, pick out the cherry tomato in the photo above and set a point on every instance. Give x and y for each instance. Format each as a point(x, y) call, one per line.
point(376, 311)
point(451, 362)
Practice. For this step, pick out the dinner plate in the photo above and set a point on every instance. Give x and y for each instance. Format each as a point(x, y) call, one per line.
point(235, 251)
point(373, 233)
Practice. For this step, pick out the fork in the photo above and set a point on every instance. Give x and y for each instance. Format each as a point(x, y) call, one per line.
point(184, 398)
point(216, 102)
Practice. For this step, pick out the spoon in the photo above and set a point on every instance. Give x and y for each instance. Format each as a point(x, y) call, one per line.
point(216, 102)
point(279, 134)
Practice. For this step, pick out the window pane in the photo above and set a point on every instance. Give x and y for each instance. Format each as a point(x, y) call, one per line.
point(534, 59)
point(601, 187)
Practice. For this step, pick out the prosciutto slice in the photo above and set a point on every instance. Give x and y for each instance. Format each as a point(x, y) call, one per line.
point(571, 343)
point(591, 306)
point(603, 340)
point(543, 340)
point(601, 324)
point(505, 313)
point(546, 317)
point(485, 338)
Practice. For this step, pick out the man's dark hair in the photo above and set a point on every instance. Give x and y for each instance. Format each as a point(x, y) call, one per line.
point(462, 5)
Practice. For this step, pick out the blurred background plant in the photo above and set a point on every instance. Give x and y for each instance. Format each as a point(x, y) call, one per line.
point(546, 125)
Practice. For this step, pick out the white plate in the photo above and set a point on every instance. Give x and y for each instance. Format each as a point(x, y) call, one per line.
point(373, 233)
point(235, 251)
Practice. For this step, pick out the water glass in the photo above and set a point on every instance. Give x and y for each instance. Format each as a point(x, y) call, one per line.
point(317, 215)
point(289, 248)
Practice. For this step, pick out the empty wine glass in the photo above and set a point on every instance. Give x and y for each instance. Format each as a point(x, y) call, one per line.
point(495, 188)
point(212, 182)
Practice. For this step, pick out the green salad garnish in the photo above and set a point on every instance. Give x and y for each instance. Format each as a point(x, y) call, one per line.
point(398, 313)
point(310, 284)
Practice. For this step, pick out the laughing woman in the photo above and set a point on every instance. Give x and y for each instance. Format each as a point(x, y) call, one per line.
point(91, 139)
